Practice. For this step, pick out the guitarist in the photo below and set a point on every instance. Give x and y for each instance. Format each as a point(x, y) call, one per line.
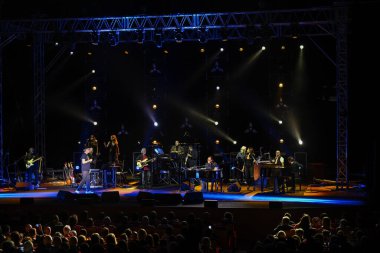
point(32, 167)
point(146, 174)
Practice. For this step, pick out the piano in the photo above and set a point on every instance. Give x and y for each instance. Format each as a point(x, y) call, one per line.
point(202, 172)
point(271, 170)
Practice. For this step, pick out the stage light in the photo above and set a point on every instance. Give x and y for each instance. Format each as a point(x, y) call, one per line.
point(235, 142)
point(140, 36)
point(71, 52)
point(202, 50)
point(281, 141)
point(280, 122)
point(241, 49)
point(217, 106)
point(178, 36)
point(95, 123)
point(217, 142)
point(300, 142)
point(224, 34)
point(93, 71)
point(166, 51)
point(156, 124)
point(126, 52)
point(216, 123)
point(155, 142)
point(301, 47)
point(282, 47)
point(202, 35)
point(154, 107)
point(56, 43)
point(217, 87)
point(79, 142)
point(221, 49)
point(89, 53)
point(263, 48)
point(280, 85)
point(94, 88)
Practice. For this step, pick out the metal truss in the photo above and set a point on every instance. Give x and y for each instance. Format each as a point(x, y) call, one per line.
point(341, 96)
point(234, 25)
point(191, 27)
point(39, 95)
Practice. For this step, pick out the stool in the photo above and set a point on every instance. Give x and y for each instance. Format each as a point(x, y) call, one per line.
point(164, 177)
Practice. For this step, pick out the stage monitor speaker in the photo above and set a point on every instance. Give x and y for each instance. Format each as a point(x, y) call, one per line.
point(235, 187)
point(23, 186)
point(211, 203)
point(275, 204)
point(110, 197)
point(193, 198)
point(168, 199)
point(185, 187)
point(65, 195)
point(144, 195)
point(84, 198)
point(26, 201)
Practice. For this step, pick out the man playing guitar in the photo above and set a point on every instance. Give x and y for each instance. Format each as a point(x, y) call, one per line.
point(32, 167)
point(143, 163)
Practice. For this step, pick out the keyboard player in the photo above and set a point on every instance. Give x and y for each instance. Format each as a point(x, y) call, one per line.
point(211, 173)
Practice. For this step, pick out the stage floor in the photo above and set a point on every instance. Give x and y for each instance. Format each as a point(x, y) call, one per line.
point(306, 196)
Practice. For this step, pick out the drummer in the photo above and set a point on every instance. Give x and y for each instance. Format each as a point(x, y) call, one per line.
point(212, 173)
point(176, 153)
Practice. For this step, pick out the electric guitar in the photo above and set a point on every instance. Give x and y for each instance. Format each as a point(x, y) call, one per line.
point(30, 162)
point(142, 163)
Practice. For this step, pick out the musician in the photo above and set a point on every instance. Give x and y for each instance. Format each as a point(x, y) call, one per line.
point(177, 152)
point(210, 166)
point(293, 171)
point(191, 157)
point(85, 166)
point(113, 150)
point(92, 142)
point(146, 174)
point(32, 167)
point(277, 173)
point(249, 161)
point(240, 157)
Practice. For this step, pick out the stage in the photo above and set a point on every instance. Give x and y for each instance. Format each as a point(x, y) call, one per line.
point(305, 195)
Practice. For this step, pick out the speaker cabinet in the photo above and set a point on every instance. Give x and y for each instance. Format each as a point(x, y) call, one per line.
point(211, 203)
point(193, 198)
point(110, 197)
point(168, 199)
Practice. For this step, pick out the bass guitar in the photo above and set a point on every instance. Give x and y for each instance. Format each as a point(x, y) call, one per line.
point(30, 162)
point(142, 163)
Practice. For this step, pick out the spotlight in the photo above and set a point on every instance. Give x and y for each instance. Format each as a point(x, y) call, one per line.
point(202, 35)
point(221, 49)
point(126, 52)
point(178, 36)
point(280, 122)
point(95, 123)
point(89, 53)
point(93, 71)
point(282, 47)
point(140, 36)
point(301, 47)
point(202, 50)
point(156, 124)
point(56, 43)
point(241, 49)
point(166, 51)
point(217, 142)
point(281, 141)
point(280, 85)
point(79, 142)
point(71, 52)
point(234, 142)
point(216, 123)
point(300, 142)
point(263, 48)
point(217, 106)
point(154, 107)
point(217, 87)
point(155, 142)
point(94, 88)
